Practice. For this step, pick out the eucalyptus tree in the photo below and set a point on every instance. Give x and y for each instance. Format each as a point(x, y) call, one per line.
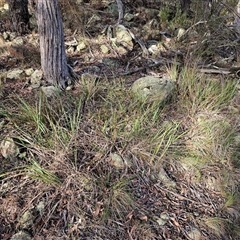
point(55, 69)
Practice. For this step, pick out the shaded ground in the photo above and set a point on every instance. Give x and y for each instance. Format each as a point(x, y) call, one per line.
point(155, 196)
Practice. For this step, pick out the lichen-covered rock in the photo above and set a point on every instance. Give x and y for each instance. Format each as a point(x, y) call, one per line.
point(22, 235)
point(123, 37)
point(26, 220)
point(104, 49)
point(15, 74)
point(50, 91)
point(153, 88)
point(8, 148)
point(194, 234)
point(36, 78)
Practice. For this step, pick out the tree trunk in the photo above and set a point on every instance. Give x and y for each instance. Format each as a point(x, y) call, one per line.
point(237, 19)
point(19, 15)
point(52, 48)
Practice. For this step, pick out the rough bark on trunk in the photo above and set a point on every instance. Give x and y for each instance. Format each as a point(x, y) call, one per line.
point(237, 19)
point(19, 15)
point(52, 48)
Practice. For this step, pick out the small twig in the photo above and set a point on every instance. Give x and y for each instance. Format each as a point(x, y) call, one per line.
point(120, 11)
point(216, 71)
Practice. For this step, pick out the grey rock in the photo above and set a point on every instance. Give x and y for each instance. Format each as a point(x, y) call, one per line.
point(15, 74)
point(194, 234)
point(50, 91)
point(104, 49)
point(153, 88)
point(180, 33)
point(12, 35)
point(18, 41)
point(71, 49)
point(81, 46)
point(29, 71)
point(123, 37)
point(129, 17)
point(154, 49)
point(6, 6)
point(8, 148)
point(40, 207)
point(26, 220)
point(6, 35)
point(116, 160)
point(22, 235)
point(163, 177)
point(36, 78)
point(163, 219)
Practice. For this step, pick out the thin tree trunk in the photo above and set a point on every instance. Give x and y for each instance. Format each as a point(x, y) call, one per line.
point(52, 48)
point(19, 15)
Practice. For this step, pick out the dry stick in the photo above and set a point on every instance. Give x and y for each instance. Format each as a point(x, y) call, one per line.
point(225, 71)
point(120, 11)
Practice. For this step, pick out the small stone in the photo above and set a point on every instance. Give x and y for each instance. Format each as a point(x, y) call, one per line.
point(181, 32)
point(104, 49)
point(40, 207)
point(5, 35)
point(195, 234)
point(29, 71)
point(82, 45)
point(50, 91)
point(12, 35)
point(15, 74)
point(36, 78)
point(6, 6)
point(18, 41)
point(129, 17)
point(154, 49)
point(22, 235)
point(116, 160)
point(123, 37)
point(163, 177)
point(71, 50)
point(26, 220)
point(8, 148)
point(163, 219)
